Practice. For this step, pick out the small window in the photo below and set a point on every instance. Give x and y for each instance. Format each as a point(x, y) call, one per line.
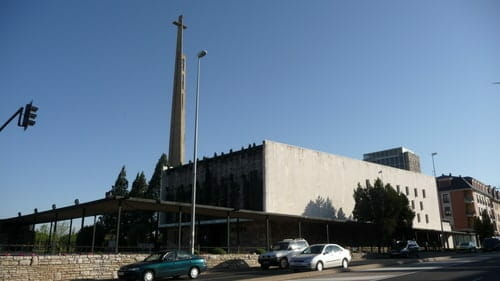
point(446, 198)
point(413, 204)
point(447, 211)
point(416, 192)
point(426, 218)
point(407, 190)
point(423, 193)
point(398, 188)
point(421, 205)
point(418, 217)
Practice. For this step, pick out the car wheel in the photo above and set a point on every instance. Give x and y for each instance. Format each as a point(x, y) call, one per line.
point(148, 276)
point(194, 272)
point(283, 263)
point(319, 266)
point(345, 264)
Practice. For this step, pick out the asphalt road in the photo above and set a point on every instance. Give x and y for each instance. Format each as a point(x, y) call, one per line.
point(466, 268)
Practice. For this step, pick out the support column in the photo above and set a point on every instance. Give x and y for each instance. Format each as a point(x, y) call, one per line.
point(54, 235)
point(238, 233)
point(327, 234)
point(180, 230)
point(267, 234)
point(69, 236)
point(300, 229)
point(49, 243)
point(228, 230)
point(93, 236)
point(118, 226)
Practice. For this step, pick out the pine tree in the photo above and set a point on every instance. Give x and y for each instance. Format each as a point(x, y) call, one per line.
point(139, 186)
point(120, 188)
point(121, 184)
point(154, 186)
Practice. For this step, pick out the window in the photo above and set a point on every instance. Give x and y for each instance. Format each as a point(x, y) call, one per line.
point(446, 198)
point(421, 205)
point(407, 190)
point(447, 211)
point(413, 204)
point(426, 218)
point(418, 217)
point(423, 193)
point(397, 188)
point(416, 192)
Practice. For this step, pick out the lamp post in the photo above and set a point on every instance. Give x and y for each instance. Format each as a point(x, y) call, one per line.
point(195, 152)
point(439, 201)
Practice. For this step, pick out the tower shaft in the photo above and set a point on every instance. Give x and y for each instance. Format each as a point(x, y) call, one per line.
point(178, 119)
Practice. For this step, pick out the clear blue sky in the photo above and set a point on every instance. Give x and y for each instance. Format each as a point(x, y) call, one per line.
point(343, 77)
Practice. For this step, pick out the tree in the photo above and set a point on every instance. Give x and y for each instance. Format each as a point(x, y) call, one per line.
point(84, 237)
point(154, 186)
point(120, 188)
point(139, 186)
point(483, 226)
point(387, 209)
point(121, 184)
point(320, 207)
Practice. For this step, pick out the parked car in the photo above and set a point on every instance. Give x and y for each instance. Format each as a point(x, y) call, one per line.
point(468, 246)
point(164, 264)
point(320, 256)
point(491, 244)
point(281, 253)
point(405, 249)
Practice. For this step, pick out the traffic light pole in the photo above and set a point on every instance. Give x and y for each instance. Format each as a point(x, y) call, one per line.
point(18, 112)
point(28, 118)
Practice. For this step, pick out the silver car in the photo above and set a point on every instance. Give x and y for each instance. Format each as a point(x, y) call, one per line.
point(320, 256)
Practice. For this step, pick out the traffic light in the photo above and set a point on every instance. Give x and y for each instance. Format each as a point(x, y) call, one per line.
point(29, 115)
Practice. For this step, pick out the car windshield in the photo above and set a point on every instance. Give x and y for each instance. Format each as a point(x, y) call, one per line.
point(317, 249)
point(280, 246)
point(154, 257)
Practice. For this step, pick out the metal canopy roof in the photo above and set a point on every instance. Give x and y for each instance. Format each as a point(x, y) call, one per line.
point(111, 205)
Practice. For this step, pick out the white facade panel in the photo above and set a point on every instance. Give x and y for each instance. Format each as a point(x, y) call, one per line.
point(296, 176)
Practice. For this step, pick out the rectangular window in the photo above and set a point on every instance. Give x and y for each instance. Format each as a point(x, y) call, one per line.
point(416, 192)
point(447, 211)
point(421, 205)
point(423, 193)
point(418, 217)
point(413, 204)
point(407, 190)
point(426, 218)
point(446, 198)
point(397, 188)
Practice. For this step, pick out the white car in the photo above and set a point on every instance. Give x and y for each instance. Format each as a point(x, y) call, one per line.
point(320, 256)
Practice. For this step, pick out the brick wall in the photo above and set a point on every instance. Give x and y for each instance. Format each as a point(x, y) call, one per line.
point(73, 267)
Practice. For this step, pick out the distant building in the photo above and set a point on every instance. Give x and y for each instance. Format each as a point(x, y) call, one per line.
point(399, 157)
point(463, 198)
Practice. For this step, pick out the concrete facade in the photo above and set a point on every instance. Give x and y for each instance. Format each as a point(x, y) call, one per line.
point(295, 176)
point(286, 179)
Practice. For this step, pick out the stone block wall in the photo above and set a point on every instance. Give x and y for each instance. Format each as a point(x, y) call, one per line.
point(74, 267)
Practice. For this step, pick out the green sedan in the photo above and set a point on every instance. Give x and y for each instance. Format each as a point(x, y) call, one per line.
point(164, 264)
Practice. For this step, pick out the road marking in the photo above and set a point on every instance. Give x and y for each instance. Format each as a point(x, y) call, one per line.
point(353, 278)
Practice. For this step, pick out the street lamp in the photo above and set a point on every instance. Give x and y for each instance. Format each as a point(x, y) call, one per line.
point(439, 201)
point(195, 152)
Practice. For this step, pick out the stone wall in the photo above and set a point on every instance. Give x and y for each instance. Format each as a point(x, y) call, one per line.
point(74, 267)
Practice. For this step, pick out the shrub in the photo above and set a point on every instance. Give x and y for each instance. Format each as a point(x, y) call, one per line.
point(217, 251)
point(259, 251)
